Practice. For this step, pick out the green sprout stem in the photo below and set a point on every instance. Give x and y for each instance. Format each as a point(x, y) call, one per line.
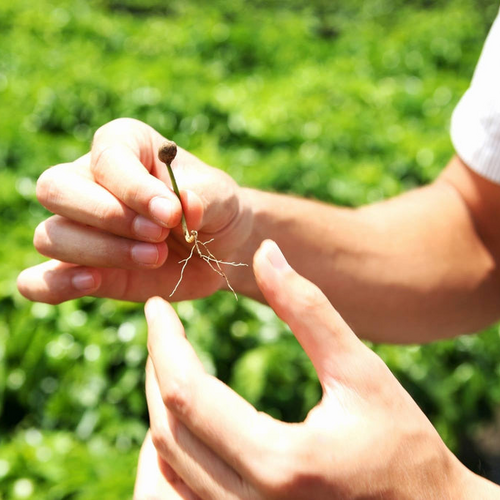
point(187, 234)
point(166, 154)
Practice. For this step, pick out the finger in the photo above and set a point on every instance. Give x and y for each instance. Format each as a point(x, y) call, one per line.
point(52, 282)
point(214, 413)
point(66, 192)
point(156, 479)
point(117, 151)
point(199, 467)
point(65, 240)
point(208, 210)
point(327, 339)
point(49, 281)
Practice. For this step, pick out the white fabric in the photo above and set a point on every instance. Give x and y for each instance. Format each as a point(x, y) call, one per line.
point(475, 124)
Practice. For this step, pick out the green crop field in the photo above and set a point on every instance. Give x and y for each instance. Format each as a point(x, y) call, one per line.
point(347, 102)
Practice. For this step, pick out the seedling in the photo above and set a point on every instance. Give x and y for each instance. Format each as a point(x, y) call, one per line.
point(166, 154)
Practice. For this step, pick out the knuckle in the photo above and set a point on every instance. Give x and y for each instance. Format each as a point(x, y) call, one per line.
point(102, 158)
point(105, 216)
point(115, 218)
point(111, 128)
point(311, 299)
point(135, 195)
point(166, 434)
point(121, 122)
point(159, 438)
point(176, 396)
point(105, 129)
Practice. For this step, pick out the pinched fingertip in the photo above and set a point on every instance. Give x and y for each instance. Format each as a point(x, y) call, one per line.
point(194, 210)
point(271, 252)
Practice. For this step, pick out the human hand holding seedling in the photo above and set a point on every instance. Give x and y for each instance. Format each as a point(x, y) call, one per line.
point(413, 260)
point(366, 438)
point(166, 154)
point(117, 218)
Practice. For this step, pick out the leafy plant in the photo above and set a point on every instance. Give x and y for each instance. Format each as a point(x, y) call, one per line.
point(347, 102)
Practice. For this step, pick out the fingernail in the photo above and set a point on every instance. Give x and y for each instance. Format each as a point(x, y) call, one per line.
point(145, 228)
point(275, 256)
point(145, 253)
point(161, 209)
point(83, 281)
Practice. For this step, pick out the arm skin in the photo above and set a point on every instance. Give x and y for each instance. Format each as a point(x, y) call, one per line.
point(418, 267)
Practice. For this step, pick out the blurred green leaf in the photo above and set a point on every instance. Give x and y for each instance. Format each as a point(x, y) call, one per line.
point(347, 102)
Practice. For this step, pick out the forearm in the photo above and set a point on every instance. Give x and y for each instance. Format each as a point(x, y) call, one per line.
point(411, 269)
point(470, 486)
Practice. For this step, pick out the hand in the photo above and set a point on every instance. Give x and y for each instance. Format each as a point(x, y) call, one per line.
point(366, 439)
point(114, 210)
point(156, 479)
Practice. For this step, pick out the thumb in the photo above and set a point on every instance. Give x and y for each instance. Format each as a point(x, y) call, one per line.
point(214, 202)
point(332, 346)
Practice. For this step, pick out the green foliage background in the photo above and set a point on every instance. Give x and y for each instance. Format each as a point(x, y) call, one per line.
point(348, 102)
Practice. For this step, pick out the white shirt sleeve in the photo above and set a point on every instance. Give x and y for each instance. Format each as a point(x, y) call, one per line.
point(475, 124)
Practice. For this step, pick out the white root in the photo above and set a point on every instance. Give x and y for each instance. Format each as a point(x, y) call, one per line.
point(204, 253)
